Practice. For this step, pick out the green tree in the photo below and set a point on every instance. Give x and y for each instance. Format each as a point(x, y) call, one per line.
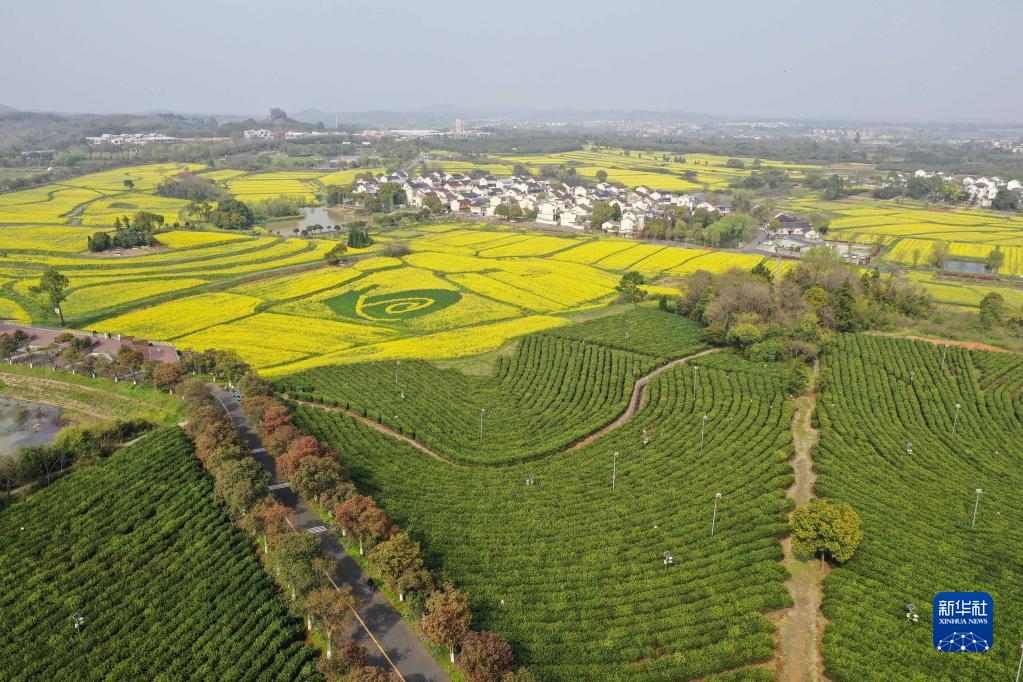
point(336, 254)
point(843, 307)
point(820, 222)
point(827, 529)
point(763, 271)
point(358, 235)
point(939, 254)
point(292, 561)
point(240, 484)
point(601, 175)
point(628, 288)
point(994, 260)
point(508, 211)
point(52, 288)
point(129, 185)
point(232, 214)
point(603, 212)
point(316, 476)
point(1006, 200)
point(992, 308)
point(400, 563)
point(434, 204)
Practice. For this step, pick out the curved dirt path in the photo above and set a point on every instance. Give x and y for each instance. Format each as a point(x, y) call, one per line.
point(382, 428)
point(969, 345)
point(801, 627)
point(635, 402)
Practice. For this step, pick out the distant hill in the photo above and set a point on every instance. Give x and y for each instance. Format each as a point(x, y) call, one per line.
point(4, 109)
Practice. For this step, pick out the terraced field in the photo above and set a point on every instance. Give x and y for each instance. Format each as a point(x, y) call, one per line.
point(547, 395)
point(137, 546)
point(888, 448)
point(634, 168)
point(909, 230)
point(571, 571)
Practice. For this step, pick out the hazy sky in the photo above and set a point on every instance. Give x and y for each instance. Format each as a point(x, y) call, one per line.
point(893, 60)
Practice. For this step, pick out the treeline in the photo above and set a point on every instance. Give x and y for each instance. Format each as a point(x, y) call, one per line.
point(773, 317)
point(441, 612)
point(128, 232)
point(290, 556)
point(74, 447)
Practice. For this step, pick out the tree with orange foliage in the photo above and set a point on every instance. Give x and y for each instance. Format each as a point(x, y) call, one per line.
point(280, 439)
point(274, 418)
point(361, 515)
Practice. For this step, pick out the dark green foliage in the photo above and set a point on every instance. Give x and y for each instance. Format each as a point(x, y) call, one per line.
point(127, 234)
point(358, 235)
point(168, 587)
point(192, 187)
point(232, 214)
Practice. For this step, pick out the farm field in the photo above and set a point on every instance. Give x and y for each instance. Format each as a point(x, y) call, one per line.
point(569, 570)
point(139, 528)
point(909, 230)
point(628, 167)
point(464, 289)
point(533, 403)
point(917, 502)
point(648, 168)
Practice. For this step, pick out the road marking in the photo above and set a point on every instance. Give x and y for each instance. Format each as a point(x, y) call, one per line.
point(361, 621)
point(280, 486)
point(317, 529)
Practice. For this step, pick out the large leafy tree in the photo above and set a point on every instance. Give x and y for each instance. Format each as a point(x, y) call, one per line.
point(331, 610)
point(628, 288)
point(485, 657)
point(400, 564)
point(52, 288)
point(361, 515)
point(316, 476)
point(820, 527)
point(292, 559)
point(447, 618)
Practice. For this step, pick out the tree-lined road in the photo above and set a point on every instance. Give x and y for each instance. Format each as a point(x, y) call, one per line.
point(389, 641)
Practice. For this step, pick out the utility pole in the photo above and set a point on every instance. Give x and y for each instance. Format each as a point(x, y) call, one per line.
point(482, 410)
point(943, 351)
point(614, 470)
point(975, 505)
point(955, 421)
point(703, 428)
point(714, 518)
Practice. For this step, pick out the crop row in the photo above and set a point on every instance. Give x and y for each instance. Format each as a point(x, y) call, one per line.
point(166, 585)
point(571, 571)
point(909, 431)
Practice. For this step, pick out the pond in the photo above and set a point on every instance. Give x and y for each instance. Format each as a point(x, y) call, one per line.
point(23, 423)
point(962, 265)
point(311, 215)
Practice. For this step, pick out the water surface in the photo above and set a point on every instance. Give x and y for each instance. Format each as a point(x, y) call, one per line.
point(23, 423)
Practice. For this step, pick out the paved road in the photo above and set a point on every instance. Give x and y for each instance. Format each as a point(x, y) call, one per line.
point(387, 638)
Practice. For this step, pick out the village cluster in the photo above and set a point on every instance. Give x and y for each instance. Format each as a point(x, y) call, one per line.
point(979, 191)
point(550, 202)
